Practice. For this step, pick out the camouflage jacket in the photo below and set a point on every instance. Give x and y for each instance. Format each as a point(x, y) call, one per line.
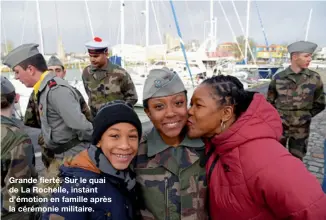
point(297, 96)
point(17, 160)
point(32, 116)
point(171, 187)
point(84, 107)
point(107, 84)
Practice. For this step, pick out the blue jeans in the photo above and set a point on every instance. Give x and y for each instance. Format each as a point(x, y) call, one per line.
point(324, 182)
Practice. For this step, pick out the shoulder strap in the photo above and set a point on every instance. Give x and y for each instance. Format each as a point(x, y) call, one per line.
point(51, 84)
point(211, 168)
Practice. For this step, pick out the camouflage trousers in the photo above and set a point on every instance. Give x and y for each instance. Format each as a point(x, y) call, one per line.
point(49, 157)
point(296, 138)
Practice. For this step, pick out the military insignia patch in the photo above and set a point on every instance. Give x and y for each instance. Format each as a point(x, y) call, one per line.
point(52, 83)
point(158, 83)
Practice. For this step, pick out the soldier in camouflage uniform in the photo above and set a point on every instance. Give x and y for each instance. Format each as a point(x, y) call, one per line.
point(32, 118)
point(297, 94)
point(105, 81)
point(171, 179)
point(17, 156)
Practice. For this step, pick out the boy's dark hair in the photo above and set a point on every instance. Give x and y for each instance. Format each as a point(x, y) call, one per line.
point(37, 61)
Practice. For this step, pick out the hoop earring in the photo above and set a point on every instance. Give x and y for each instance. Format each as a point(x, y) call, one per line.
point(222, 126)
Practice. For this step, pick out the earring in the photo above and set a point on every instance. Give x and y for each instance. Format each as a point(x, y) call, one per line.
point(222, 125)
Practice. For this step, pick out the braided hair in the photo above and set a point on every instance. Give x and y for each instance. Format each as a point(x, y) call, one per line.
point(231, 92)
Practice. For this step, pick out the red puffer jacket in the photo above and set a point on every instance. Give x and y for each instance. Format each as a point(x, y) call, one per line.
point(255, 177)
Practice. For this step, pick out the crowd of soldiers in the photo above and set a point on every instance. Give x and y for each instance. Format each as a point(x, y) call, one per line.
point(66, 120)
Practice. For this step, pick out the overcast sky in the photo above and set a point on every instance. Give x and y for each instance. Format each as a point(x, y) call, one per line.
point(283, 22)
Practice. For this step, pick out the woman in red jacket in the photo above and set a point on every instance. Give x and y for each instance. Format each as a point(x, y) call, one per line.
point(250, 175)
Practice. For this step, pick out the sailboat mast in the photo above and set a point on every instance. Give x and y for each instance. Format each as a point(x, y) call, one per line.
point(24, 22)
point(146, 30)
point(147, 22)
point(122, 29)
point(89, 19)
point(211, 19)
point(247, 31)
point(157, 27)
point(39, 26)
point(231, 29)
point(4, 35)
point(215, 30)
point(308, 25)
point(56, 18)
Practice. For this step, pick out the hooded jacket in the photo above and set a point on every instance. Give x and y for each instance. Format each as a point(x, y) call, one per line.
point(255, 177)
point(96, 185)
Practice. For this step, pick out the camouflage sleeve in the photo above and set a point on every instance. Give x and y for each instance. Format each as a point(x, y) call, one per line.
point(17, 167)
point(30, 118)
point(84, 107)
point(129, 90)
point(272, 93)
point(319, 99)
point(84, 78)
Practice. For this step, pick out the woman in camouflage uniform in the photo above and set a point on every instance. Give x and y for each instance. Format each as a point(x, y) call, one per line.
point(168, 170)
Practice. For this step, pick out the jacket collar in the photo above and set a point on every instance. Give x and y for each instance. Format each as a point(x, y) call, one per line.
point(162, 154)
point(157, 145)
point(38, 84)
point(103, 68)
point(289, 71)
point(294, 76)
point(8, 121)
point(44, 82)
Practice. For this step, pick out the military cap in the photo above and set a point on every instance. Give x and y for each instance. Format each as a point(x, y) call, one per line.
point(97, 46)
point(54, 61)
point(162, 82)
point(19, 54)
point(302, 47)
point(6, 86)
